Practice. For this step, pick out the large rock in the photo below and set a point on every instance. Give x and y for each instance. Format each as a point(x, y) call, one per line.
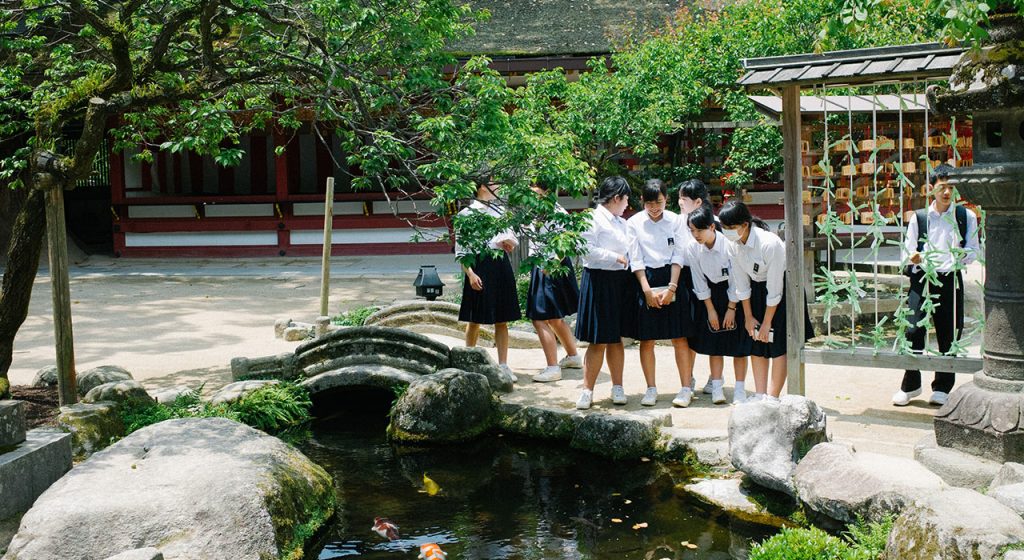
point(477, 360)
point(1008, 487)
point(618, 436)
point(92, 426)
point(194, 488)
point(539, 422)
point(45, 377)
point(148, 553)
point(233, 392)
point(699, 448)
point(954, 524)
point(99, 375)
point(768, 438)
point(834, 480)
point(729, 495)
point(450, 405)
point(955, 467)
point(120, 392)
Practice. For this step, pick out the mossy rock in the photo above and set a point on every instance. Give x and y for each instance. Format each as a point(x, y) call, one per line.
point(93, 426)
point(448, 406)
point(538, 422)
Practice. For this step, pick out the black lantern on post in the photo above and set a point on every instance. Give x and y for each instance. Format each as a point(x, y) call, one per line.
point(427, 283)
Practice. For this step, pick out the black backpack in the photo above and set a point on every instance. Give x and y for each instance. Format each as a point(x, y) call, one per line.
point(922, 231)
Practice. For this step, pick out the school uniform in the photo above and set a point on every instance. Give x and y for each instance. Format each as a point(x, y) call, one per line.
point(552, 297)
point(498, 302)
point(685, 238)
point(710, 274)
point(654, 249)
point(759, 274)
point(604, 314)
point(942, 236)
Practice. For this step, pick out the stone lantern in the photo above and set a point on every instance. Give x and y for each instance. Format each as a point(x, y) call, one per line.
point(986, 418)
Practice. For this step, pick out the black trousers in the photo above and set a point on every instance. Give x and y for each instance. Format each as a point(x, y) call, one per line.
point(948, 317)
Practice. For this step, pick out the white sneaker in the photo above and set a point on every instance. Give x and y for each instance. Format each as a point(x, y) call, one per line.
point(717, 395)
point(618, 395)
point(508, 372)
point(739, 397)
point(938, 398)
point(585, 400)
point(683, 397)
point(550, 373)
point(756, 397)
point(902, 398)
point(571, 362)
point(650, 397)
point(708, 388)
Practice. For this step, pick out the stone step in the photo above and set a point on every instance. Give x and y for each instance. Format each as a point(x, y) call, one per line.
point(12, 423)
point(27, 471)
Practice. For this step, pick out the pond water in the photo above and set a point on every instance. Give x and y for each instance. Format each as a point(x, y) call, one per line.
point(508, 498)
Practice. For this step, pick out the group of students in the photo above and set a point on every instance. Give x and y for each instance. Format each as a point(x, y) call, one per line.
point(711, 285)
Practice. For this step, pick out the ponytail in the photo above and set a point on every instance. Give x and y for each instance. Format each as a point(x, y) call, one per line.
point(736, 213)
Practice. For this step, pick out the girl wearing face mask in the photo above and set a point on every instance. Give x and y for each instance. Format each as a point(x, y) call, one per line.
point(719, 319)
point(604, 289)
point(759, 276)
point(655, 257)
point(693, 194)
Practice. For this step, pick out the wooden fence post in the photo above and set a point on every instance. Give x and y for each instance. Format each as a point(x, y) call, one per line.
point(56, 234)
point(793, 188)
point(325, 268)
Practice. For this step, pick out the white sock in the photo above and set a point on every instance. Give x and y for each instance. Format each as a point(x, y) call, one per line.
point(739, 387)
point(716, 383)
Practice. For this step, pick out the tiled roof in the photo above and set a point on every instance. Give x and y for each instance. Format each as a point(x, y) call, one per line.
point(860, 66)
point(563, 27)
point(772, 104)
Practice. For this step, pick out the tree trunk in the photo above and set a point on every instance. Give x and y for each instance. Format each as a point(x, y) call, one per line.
point(20, 274)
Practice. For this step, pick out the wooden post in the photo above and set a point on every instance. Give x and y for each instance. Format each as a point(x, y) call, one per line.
point(795, 384)
point(325, 270)
point(60, 288)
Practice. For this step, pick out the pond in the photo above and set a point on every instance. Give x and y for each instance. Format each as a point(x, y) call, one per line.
point(507, 498)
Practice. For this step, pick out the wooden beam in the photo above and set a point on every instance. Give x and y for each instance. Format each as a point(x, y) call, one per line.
point(793, 185)
point(325, 264)
point(866, 357)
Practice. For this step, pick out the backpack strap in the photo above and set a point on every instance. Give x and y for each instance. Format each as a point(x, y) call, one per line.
point(922, 228)
point(961, 224)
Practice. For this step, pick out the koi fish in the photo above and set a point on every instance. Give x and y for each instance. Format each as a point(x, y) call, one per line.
point(385, 528)
point(431, 551)
point(429, 486)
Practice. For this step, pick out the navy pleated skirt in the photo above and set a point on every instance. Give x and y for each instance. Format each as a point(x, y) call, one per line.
point(758, 304)
point(735, 342)
point(498, 302)
point(668, 322)
point(552, 297)
point(606, 309)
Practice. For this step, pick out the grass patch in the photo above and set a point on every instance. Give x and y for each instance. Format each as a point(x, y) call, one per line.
point(354, 317)
point(281, 410)
point(862, 540)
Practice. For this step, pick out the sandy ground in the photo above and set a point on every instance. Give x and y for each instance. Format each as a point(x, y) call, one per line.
point(174, 322)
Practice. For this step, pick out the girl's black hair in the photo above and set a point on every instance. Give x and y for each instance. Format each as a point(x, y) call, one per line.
point(702, 217)
point(612, 187)
point(695, 189)
point(653, 189)
point(735, 213)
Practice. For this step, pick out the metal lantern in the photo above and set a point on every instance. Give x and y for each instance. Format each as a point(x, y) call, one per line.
point(428, 284)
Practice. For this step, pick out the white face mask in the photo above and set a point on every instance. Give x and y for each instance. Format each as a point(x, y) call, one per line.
point(731, 235)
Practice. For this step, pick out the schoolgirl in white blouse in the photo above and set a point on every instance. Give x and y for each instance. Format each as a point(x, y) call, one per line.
point(663, 310)
point(605, 286)
point(759, 276)
point(717, 314)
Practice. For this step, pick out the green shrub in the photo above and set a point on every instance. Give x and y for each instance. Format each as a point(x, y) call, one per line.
point(868, 539)
point(800, 544)
point(354, 317)
point(281, 410)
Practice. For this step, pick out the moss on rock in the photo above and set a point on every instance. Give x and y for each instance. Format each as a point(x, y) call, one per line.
point(302, 499)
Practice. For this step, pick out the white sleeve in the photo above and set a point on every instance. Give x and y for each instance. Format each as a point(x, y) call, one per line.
point(700, 282)
point(973, 246)
point(910, 241)
point(597, 256)
point(740, 281)
point(775, 260)
point(636, 254)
